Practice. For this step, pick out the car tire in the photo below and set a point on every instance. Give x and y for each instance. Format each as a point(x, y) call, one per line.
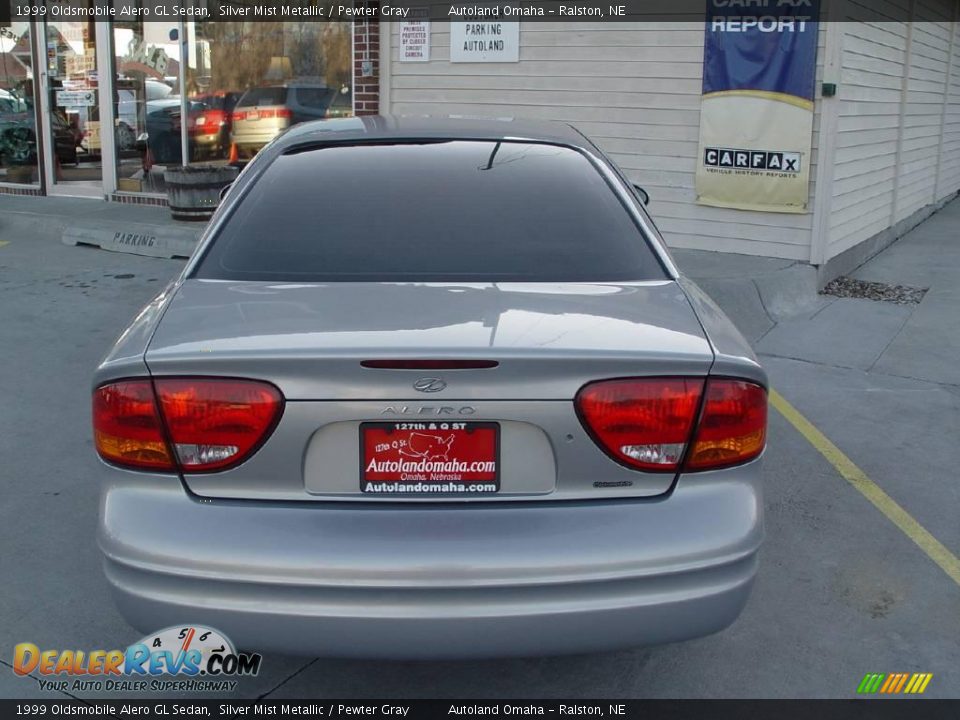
point(126, 138)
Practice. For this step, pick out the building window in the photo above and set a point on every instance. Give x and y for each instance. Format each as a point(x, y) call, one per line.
point(233, 86)
point(255, 79)
point(146, 97)
point(19, 138)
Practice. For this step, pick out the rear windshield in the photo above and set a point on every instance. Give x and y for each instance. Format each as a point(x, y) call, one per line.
point(313, 97)
point(263, 96)
point(451, 211)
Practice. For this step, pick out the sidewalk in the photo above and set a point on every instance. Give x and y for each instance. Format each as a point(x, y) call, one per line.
point(916, 341)
point(138, 229)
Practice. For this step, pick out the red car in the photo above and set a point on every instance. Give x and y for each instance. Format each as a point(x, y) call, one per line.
point(210, 128)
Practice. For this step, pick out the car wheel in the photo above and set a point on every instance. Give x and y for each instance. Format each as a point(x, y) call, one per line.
point(126, 138)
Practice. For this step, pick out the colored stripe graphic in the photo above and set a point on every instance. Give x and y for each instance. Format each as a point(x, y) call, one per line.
point(894, 683)
point(900, 683)
point(918, 683)
point(870, 683)
point(890, 683)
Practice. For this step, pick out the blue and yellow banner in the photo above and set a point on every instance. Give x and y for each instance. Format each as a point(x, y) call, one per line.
point(756, 116)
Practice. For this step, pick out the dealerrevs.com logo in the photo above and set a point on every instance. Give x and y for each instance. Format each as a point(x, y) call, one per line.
point(190, 658)
point(739, 159)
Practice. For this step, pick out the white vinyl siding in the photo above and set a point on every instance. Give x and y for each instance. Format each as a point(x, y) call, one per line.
point(898, 119)
point(865, 159)
point(634, 89)
point(926, 84)
point(949, 175)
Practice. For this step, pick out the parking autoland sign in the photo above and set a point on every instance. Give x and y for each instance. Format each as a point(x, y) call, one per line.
point(894, 683)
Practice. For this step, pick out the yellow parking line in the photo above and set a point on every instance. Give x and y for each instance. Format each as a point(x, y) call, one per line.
point(933, 548)
point(4, 242)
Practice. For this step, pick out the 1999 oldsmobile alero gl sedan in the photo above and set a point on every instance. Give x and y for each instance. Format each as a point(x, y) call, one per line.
point(431, 388)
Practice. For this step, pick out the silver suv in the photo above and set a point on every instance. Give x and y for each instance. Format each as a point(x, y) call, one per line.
point(264, 112)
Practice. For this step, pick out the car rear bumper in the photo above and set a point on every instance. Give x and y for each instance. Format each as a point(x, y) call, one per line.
point(206, 140)
point(419, 581)
point(248, 137)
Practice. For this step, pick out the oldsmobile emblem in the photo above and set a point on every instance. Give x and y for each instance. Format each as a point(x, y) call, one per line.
point(429, 385)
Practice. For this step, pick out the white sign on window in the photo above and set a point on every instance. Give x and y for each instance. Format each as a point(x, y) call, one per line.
point(484, 42)
point(76, 98)
point(415, 41)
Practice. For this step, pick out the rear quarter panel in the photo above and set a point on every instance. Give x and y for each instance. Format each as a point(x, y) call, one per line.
point(733, 354)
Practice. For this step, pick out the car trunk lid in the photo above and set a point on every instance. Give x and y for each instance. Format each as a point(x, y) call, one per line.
point(310, 339)
point(546, 341)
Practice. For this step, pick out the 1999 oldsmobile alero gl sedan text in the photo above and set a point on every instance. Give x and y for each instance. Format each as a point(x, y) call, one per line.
point(431, 388)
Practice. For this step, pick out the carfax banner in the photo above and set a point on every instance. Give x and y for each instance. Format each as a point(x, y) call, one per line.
point(756, 112)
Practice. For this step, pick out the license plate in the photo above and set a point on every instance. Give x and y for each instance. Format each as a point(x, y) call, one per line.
point(429, 458)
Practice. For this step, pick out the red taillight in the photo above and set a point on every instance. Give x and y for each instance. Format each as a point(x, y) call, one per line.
point(733, 425)
point(238, 115)
point(212, 423)
point(284, 113)
point(126, 426)
point(648, 423)
point(645, 422)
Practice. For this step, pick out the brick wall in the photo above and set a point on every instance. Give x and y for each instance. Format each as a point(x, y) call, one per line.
point(366, 57)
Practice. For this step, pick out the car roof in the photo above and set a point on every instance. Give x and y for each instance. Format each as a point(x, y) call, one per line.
point(427, 127)
point(168, 101)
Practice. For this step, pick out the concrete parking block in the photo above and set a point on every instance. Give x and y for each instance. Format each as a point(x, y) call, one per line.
point(136, 238)
point(847, 332)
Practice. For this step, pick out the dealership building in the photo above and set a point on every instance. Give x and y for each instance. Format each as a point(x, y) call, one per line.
point(883, 150)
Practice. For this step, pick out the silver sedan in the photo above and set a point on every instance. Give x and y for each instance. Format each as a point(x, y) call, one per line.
point(431, 388)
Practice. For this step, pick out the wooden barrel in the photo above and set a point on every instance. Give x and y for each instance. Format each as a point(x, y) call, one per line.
point(193, 192)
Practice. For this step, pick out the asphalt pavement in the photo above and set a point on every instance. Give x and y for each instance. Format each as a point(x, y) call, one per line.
point(842, 589)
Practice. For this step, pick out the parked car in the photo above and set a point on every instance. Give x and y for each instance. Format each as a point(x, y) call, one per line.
point(17, 113)
point(129, 99)
point(163, 129)
point(211, 127)
point(262, 113)
point(431, 388)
